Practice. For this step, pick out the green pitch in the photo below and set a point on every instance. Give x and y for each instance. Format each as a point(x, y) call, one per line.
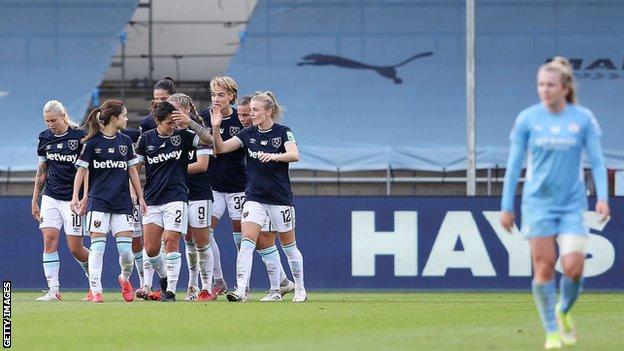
point(328, 321)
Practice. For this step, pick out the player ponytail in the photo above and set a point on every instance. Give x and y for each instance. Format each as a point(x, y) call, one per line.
point(185, 101)
point(270, 102)
point(562, 66)
point(101, 116)
point(57, 107)
point(168, 84)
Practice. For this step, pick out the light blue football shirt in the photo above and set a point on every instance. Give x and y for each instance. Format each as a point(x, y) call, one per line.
point(553, 144)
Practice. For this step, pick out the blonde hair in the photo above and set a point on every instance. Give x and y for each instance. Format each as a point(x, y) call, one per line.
point(186, 102)
point(270, 101)
point(57, 107)
point(227, 83)
point(562, 66)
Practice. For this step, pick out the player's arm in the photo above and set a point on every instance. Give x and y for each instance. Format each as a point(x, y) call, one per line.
point(182, 119)
point(201, 165)
point(75, 204)
point(40, 179)
point(220, 146)
point(517, 151)
point(599, 170)
point(133, 172)
point(291, 154)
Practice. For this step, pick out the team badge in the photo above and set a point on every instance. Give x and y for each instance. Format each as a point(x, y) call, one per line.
point(176, 140)
point(97, 224)
point(245, 214)
point(73, 144)
point(234, 130)
point(277, 142)
point(123, 150)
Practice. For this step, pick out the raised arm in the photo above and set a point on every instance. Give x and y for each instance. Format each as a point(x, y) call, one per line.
point(40, 179)
point(204, 134)
point(220, 146)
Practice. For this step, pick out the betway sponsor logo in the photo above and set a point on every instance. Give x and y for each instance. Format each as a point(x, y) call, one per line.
point(110, 164)
point(256, 154)
point(53, 156)
point(164, 157)
point(459, 226)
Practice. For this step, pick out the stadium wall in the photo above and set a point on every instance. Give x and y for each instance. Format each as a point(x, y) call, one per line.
point(360, 243)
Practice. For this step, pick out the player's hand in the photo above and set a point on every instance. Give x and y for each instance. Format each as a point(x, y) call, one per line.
point(180, 118)
point(142, 205)
point(74, 205)
point(134, 198)
point(266, 156)
point(82, 206)
point(215, 117)
point(36, 212)
point(602, 208)
point(507, 220)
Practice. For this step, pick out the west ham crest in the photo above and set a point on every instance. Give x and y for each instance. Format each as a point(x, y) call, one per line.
point(123, 150)
point(277, 142)
point(176, 140)
point(97, 224)
point(73, 144)
point(234, 130)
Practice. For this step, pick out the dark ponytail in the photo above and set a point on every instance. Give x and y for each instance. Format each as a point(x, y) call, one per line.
point(168, 84)
point(101, 116)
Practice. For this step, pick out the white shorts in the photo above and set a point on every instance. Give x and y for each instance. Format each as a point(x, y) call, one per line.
point(281, 218)
point(199, 213)
point(136, 218)
point(233, 201)
point(171, 216)
point(102, 222)
point(572, 243)
point(58, 214)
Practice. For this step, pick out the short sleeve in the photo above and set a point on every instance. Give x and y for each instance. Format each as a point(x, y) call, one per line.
point(242, 137)
point(140, 150)
point(288, 136)
point(132, 157)
point(41, 152)
point(86, 155)
point(204, 150)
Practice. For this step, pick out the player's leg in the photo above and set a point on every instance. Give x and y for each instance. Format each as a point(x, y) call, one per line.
point(122, 227)
point(219, 286)
point(51, 263)
point(98, 225)
point(153, 228)
point(191, 264)
point(199, 213)
point(253, 220)
point(572, 250)
point(74, 228)
point(137, 252)
point(50, 226)
point(283, 219)
point(265, 246)
point(175, 219)
point(543, 286)
point(234, 202)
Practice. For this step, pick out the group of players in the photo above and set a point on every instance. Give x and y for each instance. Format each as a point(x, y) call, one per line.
point(196, 166)
point(249, 176)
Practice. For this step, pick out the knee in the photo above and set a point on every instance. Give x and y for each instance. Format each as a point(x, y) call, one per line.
point(574, 272)
point(137, 245)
